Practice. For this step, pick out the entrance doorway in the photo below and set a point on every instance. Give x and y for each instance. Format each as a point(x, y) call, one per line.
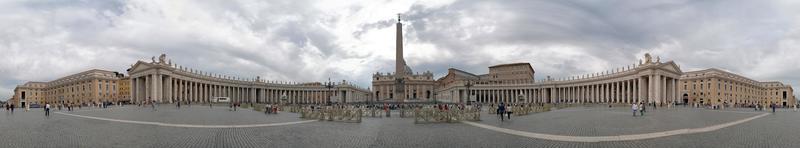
point(685, 98)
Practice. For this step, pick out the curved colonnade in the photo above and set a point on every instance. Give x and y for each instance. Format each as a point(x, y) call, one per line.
point(167, 83)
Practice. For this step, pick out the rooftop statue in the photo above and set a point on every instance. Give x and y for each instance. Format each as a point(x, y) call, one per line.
point(162, 59)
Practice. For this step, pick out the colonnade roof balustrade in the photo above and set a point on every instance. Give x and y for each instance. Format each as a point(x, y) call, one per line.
point(592, 78)
point(229, 80)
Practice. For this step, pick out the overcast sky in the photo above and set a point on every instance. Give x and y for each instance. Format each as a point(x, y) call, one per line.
point(299, 40)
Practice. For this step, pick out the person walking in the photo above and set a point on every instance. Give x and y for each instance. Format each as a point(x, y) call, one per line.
point(641, 109)
point(267, 109)
point(509, 111)
point(773, 107)
point(501, 108)
point(655, 105)
point(634, 107)
point(152, 104)
point(47, 109)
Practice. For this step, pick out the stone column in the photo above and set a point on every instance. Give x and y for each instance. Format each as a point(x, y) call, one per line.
point(574, 94)
point(604, 90)
point(195, 91)
point(186, 87)
point(134, 90)
point(659, 89)
point(201, 91)
point(639, 92)
point(626, 91)
point(572, 91)
point(190, 91)
point(650, 96)
point(621, 91)
point(675, 87)
point(160, 90)
point(177, 89)
point(206, 93)
point(564, 95)
point(170, 90)
point(184, 91)
point(593, 87)
point(666, 89)
point(147, 89)
point(596, 89)
point(603, 93)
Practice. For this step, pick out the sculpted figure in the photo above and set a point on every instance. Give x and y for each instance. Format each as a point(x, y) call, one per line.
point(162, 59)
point(647, 58)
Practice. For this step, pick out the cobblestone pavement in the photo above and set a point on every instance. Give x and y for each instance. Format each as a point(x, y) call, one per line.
point(199, 115)
point(32, 129)
point(599, 121)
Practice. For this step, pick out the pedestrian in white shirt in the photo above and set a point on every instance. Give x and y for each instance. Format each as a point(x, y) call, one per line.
point(47, 109)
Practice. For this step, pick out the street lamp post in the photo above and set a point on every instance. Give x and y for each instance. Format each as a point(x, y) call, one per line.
point(329, 85)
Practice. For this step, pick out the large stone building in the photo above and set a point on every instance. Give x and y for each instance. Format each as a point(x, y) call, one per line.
point(92, 86)
point(165, 82)
point(124, 90)
point(403, 85)
point(718, 87)
point(651, 81)
point(514, 73)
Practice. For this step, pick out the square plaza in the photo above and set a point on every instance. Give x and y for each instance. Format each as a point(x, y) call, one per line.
point(423, 73)
point(204, 126)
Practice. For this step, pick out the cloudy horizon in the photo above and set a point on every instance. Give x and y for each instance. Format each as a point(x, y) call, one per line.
point(308, 41)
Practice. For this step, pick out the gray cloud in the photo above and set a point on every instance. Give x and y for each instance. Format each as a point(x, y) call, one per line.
point(314, 40)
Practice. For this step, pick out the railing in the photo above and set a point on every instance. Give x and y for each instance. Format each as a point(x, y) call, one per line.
point(432, 115)
point(373, 112)
point(521, 110)
point(407, 113)
point(333, 114)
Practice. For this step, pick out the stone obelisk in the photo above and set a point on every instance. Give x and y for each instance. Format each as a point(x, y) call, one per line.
point(400, 65)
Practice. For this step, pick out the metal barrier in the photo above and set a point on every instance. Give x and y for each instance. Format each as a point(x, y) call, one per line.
point(372, 112)
point(431, 115)
point(407, 113)
point(521, 110)
point(528, 109)
point(333, 114)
